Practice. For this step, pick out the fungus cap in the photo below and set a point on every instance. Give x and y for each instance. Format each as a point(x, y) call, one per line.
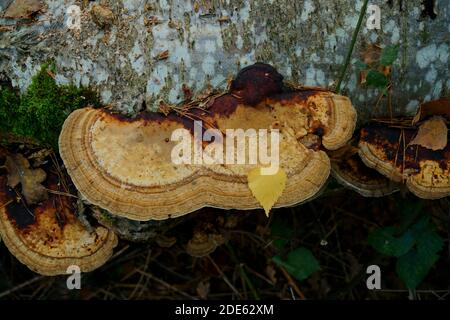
point(202, 244)
point(349, 170)
point(48, 237)
point(125, 166)
point(425, 172)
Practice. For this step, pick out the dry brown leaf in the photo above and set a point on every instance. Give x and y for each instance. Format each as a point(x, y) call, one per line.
point(432, 134)
point(440, 107)
point(203, 289)
point(19, 171)
point(39, 158)
point(271, 273)
point(23, 9)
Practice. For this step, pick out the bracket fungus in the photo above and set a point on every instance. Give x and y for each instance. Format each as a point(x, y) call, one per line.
point(126, 166)
point(202, 244)
point(388, 149)
point(47, 237)
point(349, 170)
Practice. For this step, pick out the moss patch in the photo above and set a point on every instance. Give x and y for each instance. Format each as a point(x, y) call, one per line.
point(41, 111)
point(9, 102)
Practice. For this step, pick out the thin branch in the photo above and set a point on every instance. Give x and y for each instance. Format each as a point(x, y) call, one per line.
point(352, 45)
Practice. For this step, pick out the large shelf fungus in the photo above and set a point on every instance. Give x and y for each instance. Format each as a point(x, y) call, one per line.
point(127, 166)
point(47, 236)
point(349, 170)
point(390, 151)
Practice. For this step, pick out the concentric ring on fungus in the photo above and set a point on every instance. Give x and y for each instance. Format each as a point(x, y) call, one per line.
point(48, 237)
point(124, 165)
point(425, 172)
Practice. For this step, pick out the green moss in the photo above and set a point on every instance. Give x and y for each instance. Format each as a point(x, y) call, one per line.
point(107, 217)
point(9, 103)
point(43, 108)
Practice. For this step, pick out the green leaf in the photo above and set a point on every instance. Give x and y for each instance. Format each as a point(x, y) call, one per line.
point(376, 79)
point(301, 263)
point(361, 65)
point(414, 266)
point(389, 55)
point(409, 211)
point(429, 243)
point(384, 241)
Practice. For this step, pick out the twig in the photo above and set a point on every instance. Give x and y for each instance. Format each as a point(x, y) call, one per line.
point(141, 278)
point(20, 286)
point(225, 278)
point(19, 196)
point(259, 275)
point(352, 45)
point(243, 273)
point(61, 193)
point(167, 285)
point(292, 283)
point(120, 252)
point(6, 204)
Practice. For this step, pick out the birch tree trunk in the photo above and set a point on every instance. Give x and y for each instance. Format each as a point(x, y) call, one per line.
point(150, 49)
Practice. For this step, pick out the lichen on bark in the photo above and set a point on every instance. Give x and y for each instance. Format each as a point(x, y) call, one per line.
point(208, 41)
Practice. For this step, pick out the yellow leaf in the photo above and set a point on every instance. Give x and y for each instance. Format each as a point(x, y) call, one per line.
point(266, 188)
point(432, 134)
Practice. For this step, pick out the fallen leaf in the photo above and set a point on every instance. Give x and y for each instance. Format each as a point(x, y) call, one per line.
point(432, 134)
point(39, 157)
point(439, 107)
point(271, 273)
point(300, 263)
point(19, 171)
point(266, 188)
point(203, 289)
point(23, 9)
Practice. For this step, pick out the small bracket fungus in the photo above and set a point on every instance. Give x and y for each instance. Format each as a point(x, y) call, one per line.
point(126, 165)
point(388, 150)
point(47, 237)
point(202, 244)
point(348, 169)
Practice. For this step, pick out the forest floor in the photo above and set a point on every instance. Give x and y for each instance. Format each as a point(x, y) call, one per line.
point(334, 227)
